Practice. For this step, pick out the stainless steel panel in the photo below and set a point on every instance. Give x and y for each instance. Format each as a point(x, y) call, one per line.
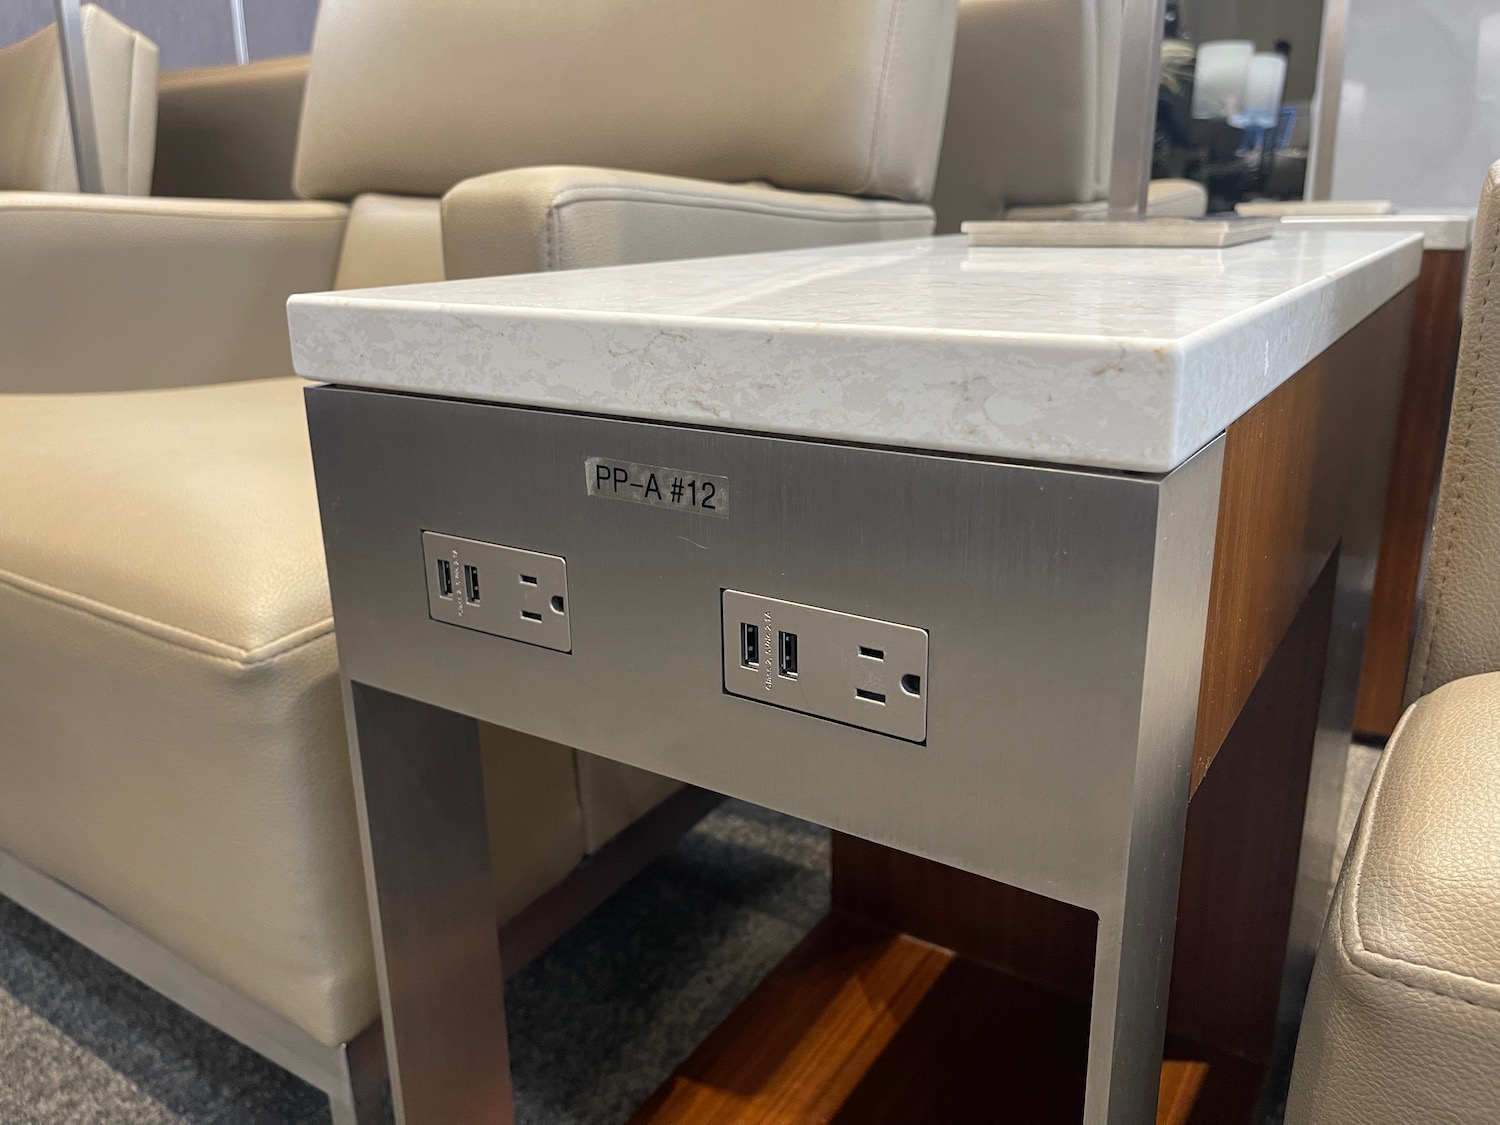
point(1064, 614)
point(1133, 960)
point(1033, 583)
point(432, 909)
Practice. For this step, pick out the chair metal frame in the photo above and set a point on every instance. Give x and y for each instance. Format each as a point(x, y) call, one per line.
point(80, 96)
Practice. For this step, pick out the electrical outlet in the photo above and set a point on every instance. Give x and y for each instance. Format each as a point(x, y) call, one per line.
point(854, 670)
point(522, 595)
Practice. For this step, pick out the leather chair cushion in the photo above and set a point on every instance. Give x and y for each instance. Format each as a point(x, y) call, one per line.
point(229, 132)
point(839, 95)
point(1403, 1018)
point(36, 136)
point(391, 240)
point(171, 730)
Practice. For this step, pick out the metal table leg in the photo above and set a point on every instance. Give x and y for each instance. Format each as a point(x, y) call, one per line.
point(437, 956)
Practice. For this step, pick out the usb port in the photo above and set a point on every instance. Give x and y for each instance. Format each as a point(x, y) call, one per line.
point(871, 696)
point(786, 654)
point(530, 616)
point(445, 578)
point(749, 645)
point(471, 584)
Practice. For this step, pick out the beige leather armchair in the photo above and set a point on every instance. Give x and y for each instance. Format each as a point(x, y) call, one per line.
point(230, 132)
point(1030, 118)
point(36, 135)
point(1403, 1018)
point(171, 742)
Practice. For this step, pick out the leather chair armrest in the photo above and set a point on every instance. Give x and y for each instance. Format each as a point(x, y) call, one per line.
point(230, 132)
point(1403, 1017)
point(114, 293)
point(566, 217)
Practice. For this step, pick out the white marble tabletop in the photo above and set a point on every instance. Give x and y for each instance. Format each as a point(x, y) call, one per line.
point(1124, 359)
point(1440, 230)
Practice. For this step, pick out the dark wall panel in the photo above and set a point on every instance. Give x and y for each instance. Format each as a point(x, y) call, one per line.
point(279, 27)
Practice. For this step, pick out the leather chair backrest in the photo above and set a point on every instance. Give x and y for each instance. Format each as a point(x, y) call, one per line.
point(1030, 118)
point(36, 136)
point(412, 96)
point(1459, 631)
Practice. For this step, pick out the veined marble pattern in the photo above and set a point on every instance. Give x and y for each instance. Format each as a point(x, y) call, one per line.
point(1126, 359)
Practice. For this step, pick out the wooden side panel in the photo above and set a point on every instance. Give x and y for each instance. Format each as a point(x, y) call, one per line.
point(1238, 876)
point(1422, 430)
point(1296, 482)
point(1244, 836)
point(1261, 566)
point(1044, 940)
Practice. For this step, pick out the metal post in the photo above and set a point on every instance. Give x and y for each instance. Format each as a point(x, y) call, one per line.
point(241, 39)
point(1141, 24)
point(1326, 101)
point(80, 96)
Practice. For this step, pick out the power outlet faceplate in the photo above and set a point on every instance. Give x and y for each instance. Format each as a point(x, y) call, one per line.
point(855, 670)
point(505, 591)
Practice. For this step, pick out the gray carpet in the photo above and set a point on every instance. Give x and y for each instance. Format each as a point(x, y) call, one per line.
point(596, 1023)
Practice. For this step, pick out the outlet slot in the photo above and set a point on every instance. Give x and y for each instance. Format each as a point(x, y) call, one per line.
point(858, 671)
point(524, 593)
point(749, 645)
point(786, 654)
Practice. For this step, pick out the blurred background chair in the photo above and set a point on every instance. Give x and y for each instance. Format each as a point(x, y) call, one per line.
point(174, 785)
point(1403, 1018)
point(230, 132)
point(1031, 116)
point(37, 150)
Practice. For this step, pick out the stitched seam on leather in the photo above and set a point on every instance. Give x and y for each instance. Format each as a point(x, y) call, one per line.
point(1459, 442)
point(1380, 965)
point(882, 98)
point(551, 236)
point(170, 634)
point(616, 193)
